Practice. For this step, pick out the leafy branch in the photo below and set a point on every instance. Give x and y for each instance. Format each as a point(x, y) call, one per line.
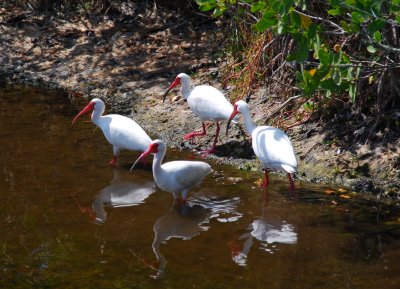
point(332, 50)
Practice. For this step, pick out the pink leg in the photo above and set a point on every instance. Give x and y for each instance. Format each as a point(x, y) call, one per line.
point(113, 162)
point(213, 148)
point(266, 179)
point(291, 182)
point(195, 133)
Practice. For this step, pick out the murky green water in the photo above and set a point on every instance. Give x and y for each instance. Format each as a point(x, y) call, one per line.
point(69, 220)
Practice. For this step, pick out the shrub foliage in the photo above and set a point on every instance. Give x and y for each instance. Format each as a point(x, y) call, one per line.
point(343, 49)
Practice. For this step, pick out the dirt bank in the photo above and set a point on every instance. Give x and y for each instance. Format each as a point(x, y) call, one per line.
point(130, 62)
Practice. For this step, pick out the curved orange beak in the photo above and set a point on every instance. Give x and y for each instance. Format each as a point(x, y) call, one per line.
point(152, 149)
point(173, 84)
point(233, 114)
point(87, 109)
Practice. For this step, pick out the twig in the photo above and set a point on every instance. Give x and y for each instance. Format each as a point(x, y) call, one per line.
point(300, 121)
point(340, 32)
point(284, 84)
point(283, 105)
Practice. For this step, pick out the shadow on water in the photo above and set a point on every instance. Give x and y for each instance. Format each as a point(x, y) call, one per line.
point(69, 220)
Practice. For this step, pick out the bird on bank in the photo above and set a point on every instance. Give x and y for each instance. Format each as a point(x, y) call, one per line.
point(205, 101)
point(271, 145)
point(176, 176)
point(120, 131)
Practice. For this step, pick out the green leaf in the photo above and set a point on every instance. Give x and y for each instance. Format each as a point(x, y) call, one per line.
point(257, 6)
point(334, 12)
point(324, 57)
point(321, 73)
point(377, 37)
point(328, 84)
point(297, 36)
point(291, 57)
point(356, 17)
point(352, 92)
point(299, 76)
point(264, 24)
point(350, 73)
point(308, 106)
point(345, 58)
point(337, 57)
point(206, 5)
point(317, 46)
point(336, 77)
point(302, 52)
point(218, 12)
point(376, 25)
point(344, 25)
point(328, 94)
point(371, 49)
point(278, 7)
point(295, 19)
point(335, 3)
point(268, 14)
point(311, 87)
point(312, 31)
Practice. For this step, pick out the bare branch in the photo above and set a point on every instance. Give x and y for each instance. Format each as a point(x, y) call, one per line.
point(340, 32)
point(386, 48)
point(282, 106)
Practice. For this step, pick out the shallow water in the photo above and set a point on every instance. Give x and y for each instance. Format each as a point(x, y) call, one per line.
point(69, 220)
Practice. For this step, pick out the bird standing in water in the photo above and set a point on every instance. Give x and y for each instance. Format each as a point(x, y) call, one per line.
point(120, 131)
point(271, 145)
point(176, 176)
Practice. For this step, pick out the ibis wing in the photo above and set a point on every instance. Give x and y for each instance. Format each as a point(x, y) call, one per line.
point(209, 103)
point(124, 132)
point(274, 148)
point(188, 173)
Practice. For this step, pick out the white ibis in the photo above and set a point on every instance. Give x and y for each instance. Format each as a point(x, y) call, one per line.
point(271, 145)
point(120, 131)
point(207, 102)
point(176, 176)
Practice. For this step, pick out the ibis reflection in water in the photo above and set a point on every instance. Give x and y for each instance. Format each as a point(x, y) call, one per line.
point(189, 221)
point(122, 192)
point(268, 230)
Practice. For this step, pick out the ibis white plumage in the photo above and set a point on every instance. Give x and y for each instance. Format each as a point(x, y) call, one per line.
point(205, 101)
point(120, 131)
point(176, 176)
point(271, 145)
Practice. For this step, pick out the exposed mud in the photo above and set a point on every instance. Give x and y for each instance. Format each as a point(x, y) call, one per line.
point(130, 61)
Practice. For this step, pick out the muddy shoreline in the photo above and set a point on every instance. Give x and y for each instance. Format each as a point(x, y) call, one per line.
point(130, 64)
